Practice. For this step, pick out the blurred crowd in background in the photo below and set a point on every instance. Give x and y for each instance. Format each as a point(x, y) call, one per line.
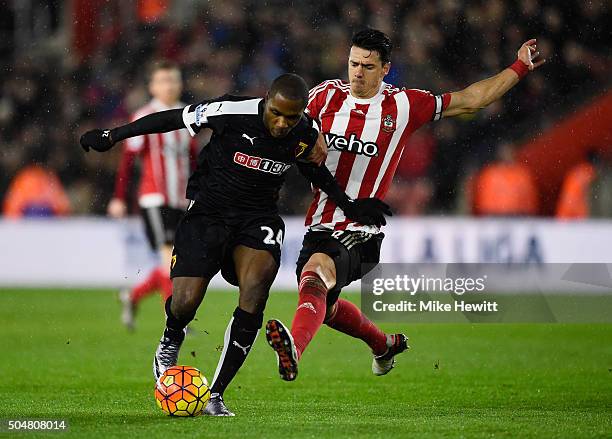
point(71, 66)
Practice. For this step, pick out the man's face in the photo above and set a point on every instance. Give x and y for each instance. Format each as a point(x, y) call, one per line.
point(166, 85)
point(281, 114)
point(366, 72)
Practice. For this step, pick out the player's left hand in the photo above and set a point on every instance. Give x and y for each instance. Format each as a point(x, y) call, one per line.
point(368, 211)
point(318, 155)
point(528, 54)
point(100, 140)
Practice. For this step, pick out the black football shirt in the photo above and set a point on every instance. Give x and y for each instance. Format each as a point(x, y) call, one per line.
point(241, 170)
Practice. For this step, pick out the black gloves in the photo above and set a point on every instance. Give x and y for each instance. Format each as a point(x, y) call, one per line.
point(100, 140)
point(162, 122)
point(367, 211)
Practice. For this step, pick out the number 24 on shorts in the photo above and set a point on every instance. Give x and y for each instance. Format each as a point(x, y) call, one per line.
point(269, 239)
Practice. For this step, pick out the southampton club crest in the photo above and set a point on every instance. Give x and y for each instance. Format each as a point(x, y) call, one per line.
point(388, 124)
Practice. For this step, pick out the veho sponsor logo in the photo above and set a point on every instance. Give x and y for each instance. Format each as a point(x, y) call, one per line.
point(352, 144)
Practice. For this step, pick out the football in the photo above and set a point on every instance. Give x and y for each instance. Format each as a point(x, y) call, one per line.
point(182, 391)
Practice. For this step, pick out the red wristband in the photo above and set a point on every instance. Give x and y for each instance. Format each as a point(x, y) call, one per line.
point(520, 68)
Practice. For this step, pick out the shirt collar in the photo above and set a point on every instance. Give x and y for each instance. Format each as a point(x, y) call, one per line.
point(376, 98)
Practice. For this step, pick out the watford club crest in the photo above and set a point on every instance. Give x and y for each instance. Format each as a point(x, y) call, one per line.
point(388, 124)
point(300, 149)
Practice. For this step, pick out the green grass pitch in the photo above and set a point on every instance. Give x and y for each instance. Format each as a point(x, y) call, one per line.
point(66, 356)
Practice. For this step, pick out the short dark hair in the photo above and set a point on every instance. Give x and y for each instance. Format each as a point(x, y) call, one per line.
point(160, 64)
point(291, 86)
point(374, 40)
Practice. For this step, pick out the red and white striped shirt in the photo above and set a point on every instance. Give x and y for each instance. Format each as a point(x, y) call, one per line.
point(365, 139)
point(167, 161)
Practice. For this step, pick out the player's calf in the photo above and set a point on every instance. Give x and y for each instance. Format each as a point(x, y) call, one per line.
point(310, 312)
point(255, 270)
point(240, 336)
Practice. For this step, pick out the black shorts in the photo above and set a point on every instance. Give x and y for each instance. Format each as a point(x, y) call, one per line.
point(354, 254)
point(160, 224)
point(204, 243)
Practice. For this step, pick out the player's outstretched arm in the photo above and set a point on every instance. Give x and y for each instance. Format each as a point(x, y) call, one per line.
point(103, 140)
point(485, 92)
point(367, 211)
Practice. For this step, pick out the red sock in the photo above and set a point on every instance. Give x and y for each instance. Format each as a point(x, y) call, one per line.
point(349, 319)
point(310, 311)
point(146, 287)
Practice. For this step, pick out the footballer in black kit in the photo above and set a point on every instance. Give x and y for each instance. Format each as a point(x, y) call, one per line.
point(236, 185)
point(232, 223)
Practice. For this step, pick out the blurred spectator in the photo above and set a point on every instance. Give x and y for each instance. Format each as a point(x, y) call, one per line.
point(587, 189)
point(166, 161)
point(504, 188)
point(36, 191)
point(410, 198)
point(237, 46)
point(412, 189)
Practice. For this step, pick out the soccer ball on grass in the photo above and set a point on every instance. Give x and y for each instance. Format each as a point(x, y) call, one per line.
point(182, 391)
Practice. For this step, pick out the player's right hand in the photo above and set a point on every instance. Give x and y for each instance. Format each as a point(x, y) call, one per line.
point(368, 211)
point(100, 140)
point(116, 208)
point(528, 54)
